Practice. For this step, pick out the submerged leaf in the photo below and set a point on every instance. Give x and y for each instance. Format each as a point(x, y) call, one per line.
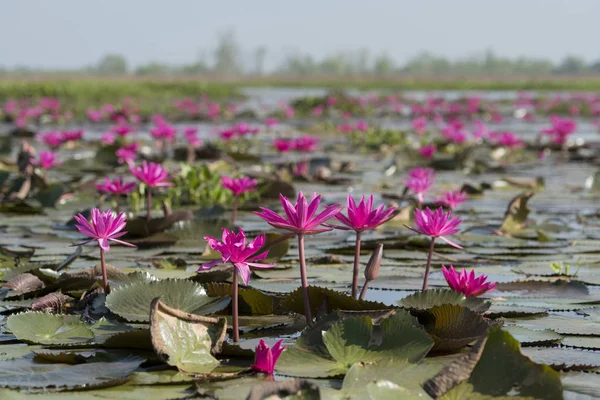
point(516, 214)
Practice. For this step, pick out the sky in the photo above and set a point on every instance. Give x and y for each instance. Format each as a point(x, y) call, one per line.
point(73, 33)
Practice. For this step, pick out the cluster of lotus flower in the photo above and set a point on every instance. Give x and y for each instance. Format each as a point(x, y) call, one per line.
point(301, 219)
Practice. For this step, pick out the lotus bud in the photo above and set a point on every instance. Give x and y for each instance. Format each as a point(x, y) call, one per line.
point(372, 268)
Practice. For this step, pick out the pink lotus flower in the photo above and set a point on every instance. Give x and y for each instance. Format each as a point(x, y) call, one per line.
point(436, 224)
point(72, 136)
point(122, 129)
point(227, 134)
point(362, 126)
point(480, 130)
point(467, 284)
point(427, 151)
point(420, 185)
point(561, 129)
point(420, 172)
point(51, 139)
point(508, 140)
point(233, 249)
point(317, 111)
point(363, 217)
point(108, 138)
point(282, 145)
point(239, 185)
point(305, 143)
point(191, 135)
point(360, 218)
point(420, 125)
point(152, 174)
point(301, 218)
point(300, 168)
point(104, 227)
point(128, 153)
point(94, 116)
point(266, 357)
point(453, 198)
point(46, 160)
point(289, 112)
point(115, 187)
point(163, 131)
point(270, 121)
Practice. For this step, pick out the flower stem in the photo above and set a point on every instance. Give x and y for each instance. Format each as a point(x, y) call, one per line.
point(428, 267)
point(363, 292)
point(356, 266)
point(117, 205)
point(304, 280)
point(104, 274)
point(234, 307)
point(236, 200)
point(148, 202)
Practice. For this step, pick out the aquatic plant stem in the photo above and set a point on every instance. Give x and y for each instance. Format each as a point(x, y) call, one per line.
point(234, 307)
point(117, 204)
point(363, 291)
point(148, 202)
point(428, 267)
point(104, 274)
point(236, 201)
point(356, 266)
point(304, 280)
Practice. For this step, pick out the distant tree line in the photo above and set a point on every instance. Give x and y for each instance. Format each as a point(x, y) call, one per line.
point(228, 58)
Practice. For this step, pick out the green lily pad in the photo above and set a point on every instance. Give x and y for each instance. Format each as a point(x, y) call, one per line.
point(354, 340)
point(132, 302)
point(564, 358)
point(41, 328)
point(452, 326)
point(334, 300)
point(426, 299)
point(184, 340)
point(26, 374)
point(532, 337)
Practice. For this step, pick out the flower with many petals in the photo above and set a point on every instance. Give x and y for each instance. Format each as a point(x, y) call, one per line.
point(305, 143)
point(436, 224)
point(420, 185)
point(115, 187)
point(233, 249)
point(420, 172)
point(427, 151)
point(453, 198)
point(104, 227)
point(152, 174)
point(51, 139)
point(46, 160)
point(467, 283)
point(282, 145)
point(302, 217)
point(239, 185)
point(266, 357)
point(71, 136)
point(127, 153)
point(363, 217)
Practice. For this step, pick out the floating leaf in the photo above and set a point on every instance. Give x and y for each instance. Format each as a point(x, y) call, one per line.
point(353, 340)
point(452, 327)
point(132, 302)
point(435, 297)
point(564, 358)
point(26, 374)
point(333, 300)
point(533, 337)
point(37, 327)
point(186, 340)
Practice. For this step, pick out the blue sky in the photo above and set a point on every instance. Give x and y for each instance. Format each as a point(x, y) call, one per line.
point(73, 33)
